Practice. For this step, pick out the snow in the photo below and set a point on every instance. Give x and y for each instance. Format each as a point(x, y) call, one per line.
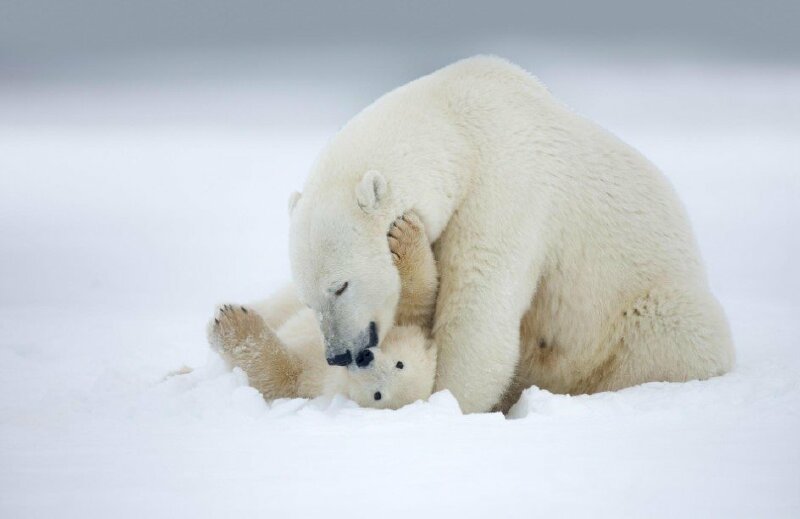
point(128, 209)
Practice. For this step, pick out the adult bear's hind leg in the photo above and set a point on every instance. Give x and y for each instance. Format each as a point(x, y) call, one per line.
point(667, 334)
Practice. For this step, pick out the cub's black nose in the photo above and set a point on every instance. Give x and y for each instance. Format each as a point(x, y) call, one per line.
point(343, 359)
point(364, 358)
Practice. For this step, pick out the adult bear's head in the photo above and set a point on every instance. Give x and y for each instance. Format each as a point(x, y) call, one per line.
point(342, 266)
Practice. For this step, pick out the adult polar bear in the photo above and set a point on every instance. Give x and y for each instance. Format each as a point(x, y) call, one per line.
point(566, 259)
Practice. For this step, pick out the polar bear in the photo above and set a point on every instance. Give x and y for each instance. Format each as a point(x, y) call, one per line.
point(566, 258)
point(289, 360)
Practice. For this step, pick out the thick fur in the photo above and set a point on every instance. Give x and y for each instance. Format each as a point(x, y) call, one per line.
point(566, 259)
point(279, 345)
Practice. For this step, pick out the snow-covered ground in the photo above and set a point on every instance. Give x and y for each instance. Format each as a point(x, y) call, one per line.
point(128, 208)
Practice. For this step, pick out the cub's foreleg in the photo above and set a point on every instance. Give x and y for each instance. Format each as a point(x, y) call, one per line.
point(419, 278)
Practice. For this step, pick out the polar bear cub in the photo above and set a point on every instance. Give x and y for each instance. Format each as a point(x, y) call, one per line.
point(288, 361)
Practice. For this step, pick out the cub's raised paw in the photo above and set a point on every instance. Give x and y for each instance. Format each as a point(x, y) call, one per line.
point(235, 329)
point(408, 242)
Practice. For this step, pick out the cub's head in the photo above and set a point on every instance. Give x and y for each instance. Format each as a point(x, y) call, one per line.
point(342, 266)
point(402, 371)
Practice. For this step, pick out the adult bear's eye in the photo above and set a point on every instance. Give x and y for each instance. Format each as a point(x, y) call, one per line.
point(399, 364)
point(341, 289)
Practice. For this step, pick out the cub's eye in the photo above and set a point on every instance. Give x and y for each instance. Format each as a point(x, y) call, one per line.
point(341, 289)
point(378, 395)
point(399, 364)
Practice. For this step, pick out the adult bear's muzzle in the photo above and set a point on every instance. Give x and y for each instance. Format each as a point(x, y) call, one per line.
point(342, 353)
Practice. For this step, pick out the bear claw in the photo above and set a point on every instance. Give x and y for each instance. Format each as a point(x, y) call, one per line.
point(232, 329)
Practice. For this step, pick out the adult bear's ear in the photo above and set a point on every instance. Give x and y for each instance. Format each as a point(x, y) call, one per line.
point(293, 199)
point(370, 191)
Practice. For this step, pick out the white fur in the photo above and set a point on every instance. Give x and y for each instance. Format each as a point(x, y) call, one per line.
point(293, 198)
point(565, 257)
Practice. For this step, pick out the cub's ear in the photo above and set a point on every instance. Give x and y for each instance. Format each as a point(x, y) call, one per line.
point(370, 191)
point(293, 199)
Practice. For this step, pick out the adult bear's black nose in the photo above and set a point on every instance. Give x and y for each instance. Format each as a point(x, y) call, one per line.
point(364, 358)
point(373, 335)
point(343, 359)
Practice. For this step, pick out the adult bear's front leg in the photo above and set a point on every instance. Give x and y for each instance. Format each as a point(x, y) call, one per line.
point(478, 341)
point(482, 297)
